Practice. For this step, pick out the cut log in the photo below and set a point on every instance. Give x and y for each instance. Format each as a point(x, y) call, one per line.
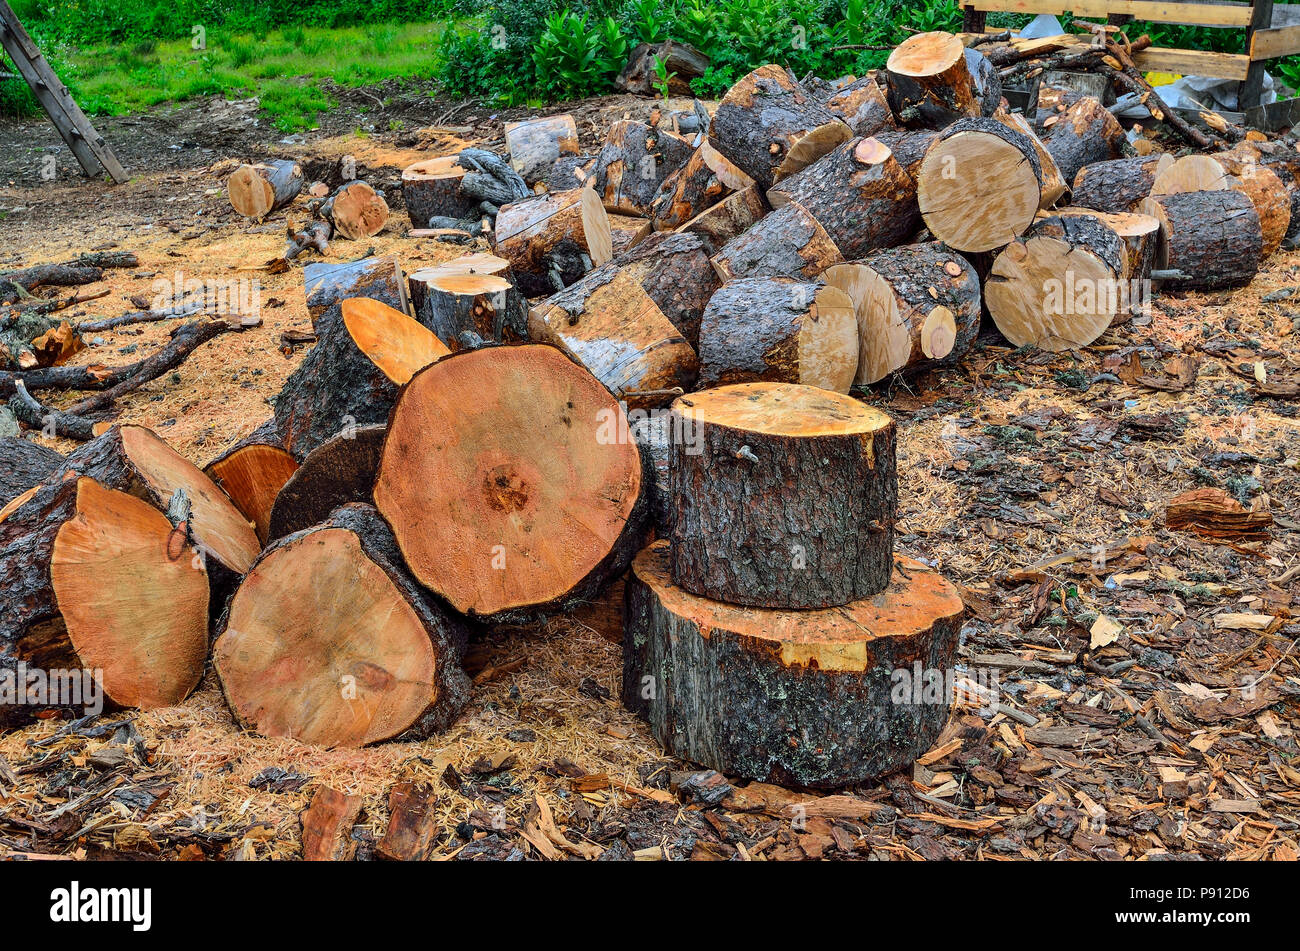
point(24, 464)
point(567, 171)
point(633, 163)
point(432, 189)
point(818, 692)
point(1118, 185)
point(980, 185)
point(728, 218)
point(917, 307)
point(929, 83)
point(469, 301)
point(653, 435)
point(1084, 133)
point(552, 240)
point(785, 496)
point(680, 63)
point(327, 826)
point(338, 471)
point(986, 80)
point(1214, 238)
point(356, 211)
point(908, 147)
point(257, 190)
point(1283, 161)
point(1054, 183)
point(1140, 234)
point(252, 472)
point(859, 194)
point(627, 231)
point(676, 272)
point(329, 641)
point(787, 243)
point(705, 179)
point(1191, 173)
point(769, 126)
point(98, 581)
point(1060, 286)
point(536, 144)
point(774, 329)
point(399, 346)
point(862, 106)
point(1266, 192)
point(511, 483)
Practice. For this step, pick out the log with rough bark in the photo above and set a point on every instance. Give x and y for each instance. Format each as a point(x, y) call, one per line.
point(769, 126)
point(355, 210)
point(99, 581)
point(908, 146)
point(470, 301)
point(728, 218)
point(1266, 192)
point(859, 194)
point(535, 144)
point(680, 63)
point(552, 240)
point(917, 307)
point(257, 190)
point(1284, 161)
point(1140, 234)
point(653, 435)
point(1084, 133)
point(862, 106)
point(1060, 286)
point(706, 178)
point(789, 242)
point(979, 185)
point(1117, 185)
point(633, 163)
point(1054, 183)
point(83, 269)
point(24, 464)
point(818, 692)
point(314, 235)
point(338, 471)
point(929, 82)
point(399, 346)
point(567, 171)
point(676, 272)
point(252, 472)
point(784, 497)
point(775, 329)
point(511, 483)
point(432, 189)
point(330, 641)
point(1213, 238)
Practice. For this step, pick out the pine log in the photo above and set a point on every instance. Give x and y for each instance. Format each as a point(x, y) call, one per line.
point(1140, 234)
point(818, 692)
point(470, 301)
point(676, 272)
point(908, 147)
point(728, 218)
point(779, 330)
point(329, 641)
point(567, 171)
point(784, 497)
point(535, 144)
point(917, 307)
point(787, 243)
point(862, 106)
point(859, 194)
point(1266, 192)
point(769, 126)
point(511, 483)
point(24, 464)
point(338, 471)
point(1054, 183)
point(257, 190)
point(96, 580)
point(251, 472)
point(633, 163)
point(705, 179)
point(1084, 133)
point(929, 83)
point(653, 435)
point(356, 211)
point(1117, 185)
point(399, 346)
point(1212, 237)
point(432, 189)
point(986, 80)
point(627, 231)
point(552, 240)
point(1284, 161)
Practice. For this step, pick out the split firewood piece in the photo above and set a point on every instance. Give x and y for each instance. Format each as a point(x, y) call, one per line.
point(862, 106)
point(705, 179)
point(1266, 192)
point(1216, 514)
point(980, 185)
point(535, 144)
point(257, 190)
point(510, 482)
point(908, 146)
point(728, 218)
point(917, 307)
point(337, 385)
point(391, 340)
point(1283, 161)
point(338, 471)
point(554, 239)
point(327, 826)
point(1118, 185)
point(784, 497)
point(816, 690)
point(859, 194)
point(1212, 238)
point(1059, 287)
point(929, 83)
point(355, 210)
point(769, 126)
point(97, 579)
point(627, 231)
point(779, 330)
point(1054, 183)
point(469, 301)
point(609, 325)
point(1140, 234)
point(432, 189)
point(330, 641)
point(676, 272)
point(1084, 133)
point(412, 824)
point(633, 163)
point(252, 472)
point(789, 242)
point(24, 464)
point(567, 171)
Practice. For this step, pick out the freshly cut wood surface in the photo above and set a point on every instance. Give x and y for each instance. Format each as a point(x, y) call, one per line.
point(356, 211)
point(1055, 185)
point(473, 296)
point(251, 472)
point(1191, 173)
point(1140, 234)
point(432, 188)
point(257, 190)
point(928, 81)
point(676, 272)
point(394, 342)
point(1266, 192)
point(339, 471)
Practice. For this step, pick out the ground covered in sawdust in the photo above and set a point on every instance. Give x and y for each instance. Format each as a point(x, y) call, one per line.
point(1127, 691)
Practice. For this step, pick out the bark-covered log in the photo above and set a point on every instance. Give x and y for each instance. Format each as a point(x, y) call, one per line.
point(511, 483)
point(633, 163)
point(917, 307)
point(390, 339)
point(787, 243)
point(826, 698)
point(680, 64)
point(1140, 234)
point(908, 147)
point(654, 435)
point(1214, 238)
point(432, 189)
point(535, 144)
point(862, 106)
point(355, 210)
point(24, 464)
point(1084, 133)
point(1284, 161)
point(567, 171)
point(706, 178)
point(779, 330)
point(929, 83)
point(470, 301)
point(330, 641)
point(96, 580)
point(1117, 185)
point(1055, 184)
point(257, 190)
point(676, 272)
point(728, 218)
point(859, 194)
point(1266, 192)
point(552, 240)
point(784, 497)
point(338, 471)
point(770, 126)
point(252, 472)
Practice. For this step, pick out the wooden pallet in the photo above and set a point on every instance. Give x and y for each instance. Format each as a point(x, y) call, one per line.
point(1270, 32)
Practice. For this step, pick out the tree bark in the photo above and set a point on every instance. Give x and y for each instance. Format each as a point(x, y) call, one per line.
point(257, 190)
point(674, 269)
point(1084, 133)
point(1266, 192)
point(634, 161)
point(862, 107)
point(356, 211)
point(705, 179)
point(929, 83)
point(1212, 237)
point(908, 147)
point(338, 471)
point(1284, 161)
point(1117, 185)
point(787, 243)
point(252, 472)
point(432, 189)
point(24, 464)
point(567, 171)
point(552, 240)
point(728, 218)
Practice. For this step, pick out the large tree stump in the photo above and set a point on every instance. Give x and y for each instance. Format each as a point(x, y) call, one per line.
point(633, 163)
point(257, 190)
point(681, 63)
point(980, 185)
point(1084, 133)
point(1060, 286)
point(1266, 192)
point(917, 307)
point(338, 471)
point(536, 144)
point(98, 581)
point(705, 179)
point(862, 106)
point(1117, 185)
point(790, 242)
point(24, 464)
point(676, 272)
point(779, 330)
point(399, 346)
point(1055, 184)
point(784, 497)
point(355, 210)
point(468, 300)
point(329, 641)
point(510, 482)
point(252, 472)
point(431, 189)
point(770, 126)
point(929, 83)
point(728, 218)
point(826, 698)
point(1213, 238)
point(859, 194)
point(552, 240)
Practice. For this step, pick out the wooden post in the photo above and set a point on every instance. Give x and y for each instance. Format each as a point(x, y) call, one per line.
point(1248, 93)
